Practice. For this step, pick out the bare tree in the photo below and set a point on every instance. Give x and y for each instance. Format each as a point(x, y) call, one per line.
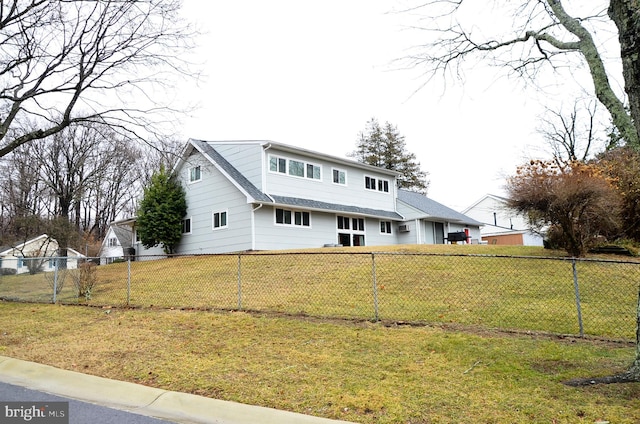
point(571, 136)
point(69, 61)
point(542, 35)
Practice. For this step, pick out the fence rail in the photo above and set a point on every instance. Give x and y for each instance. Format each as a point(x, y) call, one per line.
point(557, 295)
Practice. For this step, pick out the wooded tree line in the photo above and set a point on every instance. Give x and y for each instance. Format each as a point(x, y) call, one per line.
point(84, 103)
point(72, 184)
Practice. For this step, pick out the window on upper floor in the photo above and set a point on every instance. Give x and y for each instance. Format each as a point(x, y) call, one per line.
point(371, 183)
point(112, 242)
point(295, 168)
point(219, 220)
point(289, 217)
point(313, 171)
point(339, 176)
point(195, 174)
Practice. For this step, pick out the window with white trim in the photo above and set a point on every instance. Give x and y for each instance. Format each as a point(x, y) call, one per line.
point(112, 242)
point(371, 183)
point(186, 226)
point(290, 217)
point(295, 168)
point(219, 220)
point(385, 227)
point(351, 231)
point(313, 171)
point(195, 174)
point(277, 164)
point(339, 176)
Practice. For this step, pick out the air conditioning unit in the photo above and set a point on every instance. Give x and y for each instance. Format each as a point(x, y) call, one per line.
point(404, 228)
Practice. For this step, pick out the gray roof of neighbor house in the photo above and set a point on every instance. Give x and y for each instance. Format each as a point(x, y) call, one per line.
point(432, 208)
point(261, 197)
point(124, 235)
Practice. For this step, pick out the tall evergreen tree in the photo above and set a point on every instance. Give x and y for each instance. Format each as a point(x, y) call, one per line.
point(161, 212)
point(385, 147)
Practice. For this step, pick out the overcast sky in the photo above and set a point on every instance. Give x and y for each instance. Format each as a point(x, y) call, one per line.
point(311, 73)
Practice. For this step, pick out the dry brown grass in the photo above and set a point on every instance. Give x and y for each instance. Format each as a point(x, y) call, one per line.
point(361, 372)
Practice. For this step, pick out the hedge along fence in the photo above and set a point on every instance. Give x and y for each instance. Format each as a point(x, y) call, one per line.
point(557, 295)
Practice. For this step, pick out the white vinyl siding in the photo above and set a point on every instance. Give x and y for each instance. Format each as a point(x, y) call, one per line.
point(325, 189)
point(215, 195)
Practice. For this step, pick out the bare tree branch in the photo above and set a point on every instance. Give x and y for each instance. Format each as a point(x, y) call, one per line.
point(73, 61)
point(542, 33)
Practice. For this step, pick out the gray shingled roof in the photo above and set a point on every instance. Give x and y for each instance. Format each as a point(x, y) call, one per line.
point(124, 235)
point(335, 207)
point(240, 179)
point(432, 208)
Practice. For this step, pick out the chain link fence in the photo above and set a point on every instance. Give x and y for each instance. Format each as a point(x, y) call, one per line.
point(556, 295)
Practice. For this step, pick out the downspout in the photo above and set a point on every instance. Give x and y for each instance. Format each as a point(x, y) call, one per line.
point(253, 226)
point(418, 231)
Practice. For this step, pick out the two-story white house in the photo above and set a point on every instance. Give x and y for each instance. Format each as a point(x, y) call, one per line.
point(263, 195)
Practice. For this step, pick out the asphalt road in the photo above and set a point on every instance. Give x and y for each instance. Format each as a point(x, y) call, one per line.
point(79, 412)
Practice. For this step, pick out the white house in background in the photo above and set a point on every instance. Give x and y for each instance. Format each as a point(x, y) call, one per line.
point(502, 225)
point(262, 195)
point(121, 243)
point(42, 250)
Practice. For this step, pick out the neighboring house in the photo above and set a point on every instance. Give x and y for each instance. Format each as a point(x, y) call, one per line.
point(121, 243)
point(502, 225)
point(262, 195)
point(40, 252)
point(118, 243)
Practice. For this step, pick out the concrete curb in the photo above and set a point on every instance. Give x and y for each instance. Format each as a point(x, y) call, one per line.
point(158, 403)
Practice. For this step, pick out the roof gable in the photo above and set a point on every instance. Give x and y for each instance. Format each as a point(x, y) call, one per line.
point(497, 199)
point(44, 237)
point(229, 171)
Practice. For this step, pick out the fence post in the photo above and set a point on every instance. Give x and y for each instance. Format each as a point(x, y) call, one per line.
point(375, 286)
point(128, 280)
point(577, 294)
point(239, 283)
point(55, 281)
